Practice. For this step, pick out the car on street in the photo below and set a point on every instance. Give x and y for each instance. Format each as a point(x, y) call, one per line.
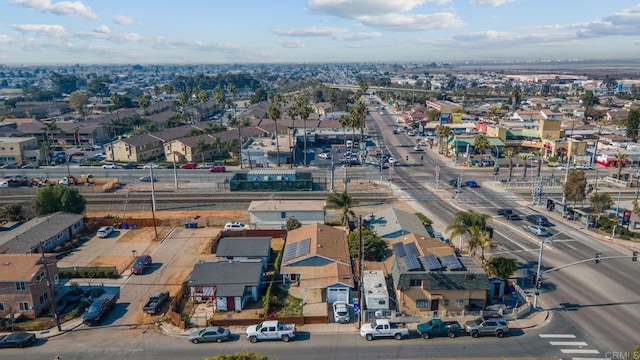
point(147, 178)
point(109, 166)
point(217, 168)
point(417, 148)
point(203, 166)
point(210, 334)
point(104, 231)
point(31, 165)
point(141, 263)
point(513, 216)
point(411, 133)
point(11, 166)
point(325, 156)
point(130, 166)
point(189, 165)
point(393, 161)
point(454, 183)
point(585, 167)
point(472, 184)
point(235, 226)
point(77, 153)
point(538, 230)
point(395, 131)
point(151, 166)
point(18, 339)
point(505, 212)
point(487, 326)
point(341, 312)
point(538, 219)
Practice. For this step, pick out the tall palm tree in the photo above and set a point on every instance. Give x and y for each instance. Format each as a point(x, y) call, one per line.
point(217, 144)
point(620, 160)
point(443, 132)
point(343, 202)
point(344, 121)
point(199, 148)
point(538, 154)
point(464, 220)
point(524, 158)
point(274, 114)
point(144, 102)
point(481, 144)
point(304, 110)
point(479, 239)
point(202, 96)
point(358, 114)
point(510, 153)
point(218, 96)
point(292, 112)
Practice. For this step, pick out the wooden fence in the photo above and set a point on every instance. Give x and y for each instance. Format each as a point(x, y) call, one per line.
point(298, 320)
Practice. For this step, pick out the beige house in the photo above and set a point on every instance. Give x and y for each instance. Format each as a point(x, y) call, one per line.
point(273, 214)
point(23, 284)
point(186, 149)
point(428, 276)
point(20, 150)
point(139, 148)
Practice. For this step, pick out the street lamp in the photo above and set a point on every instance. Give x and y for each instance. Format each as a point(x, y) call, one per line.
point(538, 272)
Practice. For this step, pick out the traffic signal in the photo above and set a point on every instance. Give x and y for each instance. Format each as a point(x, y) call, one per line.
point(634, 256)
point(532, 279)
point(598, 258)
point(539, 283)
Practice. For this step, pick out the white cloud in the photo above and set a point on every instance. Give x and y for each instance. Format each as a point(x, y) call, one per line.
point(490, 2)
point(334, 33)
point(56, 31)
point(102, 29)
point(356, 8)
point(292, 44)
point(124, 20)
point(4, 39)
point(402, 22)
point(66, 8)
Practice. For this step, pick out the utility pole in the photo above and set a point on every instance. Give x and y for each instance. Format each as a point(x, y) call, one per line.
point(175, 171)
point(153, 201)
point(52, 293)
point(361, 271)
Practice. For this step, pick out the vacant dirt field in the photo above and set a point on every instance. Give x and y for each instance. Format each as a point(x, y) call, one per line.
point(211, 218)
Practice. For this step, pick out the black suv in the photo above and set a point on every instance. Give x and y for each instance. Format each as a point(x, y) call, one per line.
point(538, 219)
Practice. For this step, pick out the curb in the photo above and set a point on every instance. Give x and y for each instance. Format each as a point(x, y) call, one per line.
point(60, 333)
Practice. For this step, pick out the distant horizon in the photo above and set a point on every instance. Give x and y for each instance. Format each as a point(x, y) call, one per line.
point(316, 31)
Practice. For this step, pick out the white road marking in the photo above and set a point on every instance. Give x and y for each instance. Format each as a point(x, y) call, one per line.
point(558, 336)
point(581, 358)
point(579, 351)
point(568, 343)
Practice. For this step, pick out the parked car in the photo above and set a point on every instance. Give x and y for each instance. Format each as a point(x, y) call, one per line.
point(31, 165)
point(513, 216)
point(210, 334)
point(141, 263)
point(325, 156)
point(341, 312)
point(151, 166)
point(99, 307)
point(11, 166)
point(109, 166)
point(104, 231)
point(417, 148)
point(271, 330)
point(235, 226)
point(77, 153)
point(538, 219)
point(17, 340)
point(487, 326)
point(189, 165)
point(205, 166)
point(505, 212)
point(538, 230)
point(411, 133)
point(454, 183)
point(217, 169)
point(147, 178)
point(130, 166)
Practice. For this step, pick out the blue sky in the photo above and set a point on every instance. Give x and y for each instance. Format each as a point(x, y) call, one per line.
point(238, 31)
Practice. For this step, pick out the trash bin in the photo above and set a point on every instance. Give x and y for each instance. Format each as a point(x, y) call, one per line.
point(186, 225)
point(116, 226)
point(134, 226)
point(125, 226)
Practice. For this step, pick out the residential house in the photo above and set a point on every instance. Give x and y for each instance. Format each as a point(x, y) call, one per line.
point(273, 214)
point(51, 230)
point(20, 150)
point(429, 276)
point(228, 284)
point(138, 148)
point(244, 249)
point(616, 116)
point(316, 258)
point(24, 284)
point(186, 149)
point(323, 108)
point(393, 223)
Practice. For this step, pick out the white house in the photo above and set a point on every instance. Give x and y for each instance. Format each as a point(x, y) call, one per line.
point(273, 214)
point(376, 295)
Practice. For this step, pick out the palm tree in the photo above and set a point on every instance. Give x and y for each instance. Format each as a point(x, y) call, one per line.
point(510, 153)
point(358, 114)
point(343, 202)
point(202, 96)
point(344, 121)
point(274, 114)
point(538, 154)
point(481, 144)
point(218, 96)
point(144, 102)
point(524, 158)
point(479, 239)
point(292, 112)
point(464, 220)
point(217, 144)
point(443, 132)
point(199, 148)
point(304, 110)
point(620, 160)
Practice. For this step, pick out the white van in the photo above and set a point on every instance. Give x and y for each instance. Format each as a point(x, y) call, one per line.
point(349, 144)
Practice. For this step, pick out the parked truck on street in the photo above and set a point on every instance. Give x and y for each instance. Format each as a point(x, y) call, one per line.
point(437, 327)
point(383, 328)
point(271, 330)
point(155, 302)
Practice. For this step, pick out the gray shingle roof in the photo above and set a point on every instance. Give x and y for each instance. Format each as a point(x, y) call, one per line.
point(244, 246)
point(28, 235)
point(392, 221)
point(229, 278)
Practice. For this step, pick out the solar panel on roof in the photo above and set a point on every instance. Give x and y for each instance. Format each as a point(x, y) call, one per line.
point(297, 249)
point(411, 249)
point(398, 249)
point(451, 262)
point(411, 263)
point(431, 262)
point(304, 246)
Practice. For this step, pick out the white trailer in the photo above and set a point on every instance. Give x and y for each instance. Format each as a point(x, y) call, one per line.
point(376, 296)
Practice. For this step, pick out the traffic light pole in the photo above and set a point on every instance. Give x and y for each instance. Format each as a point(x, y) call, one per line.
point(539, 271)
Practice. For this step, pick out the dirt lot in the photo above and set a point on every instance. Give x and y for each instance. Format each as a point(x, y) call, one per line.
point(213, 218)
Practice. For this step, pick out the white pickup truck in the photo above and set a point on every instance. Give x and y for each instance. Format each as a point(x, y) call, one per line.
point(383, 328)
point(271, 330)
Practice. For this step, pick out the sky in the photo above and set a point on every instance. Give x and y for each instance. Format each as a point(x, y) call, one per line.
point(315, 31)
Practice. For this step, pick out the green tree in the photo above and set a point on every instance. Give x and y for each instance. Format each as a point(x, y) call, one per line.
point(600, 202)
point(259, 95)
point(510, 153)
point(144, 102)
point(525, 160)
point(481, 143)
point(358, 114)
point(304, 110)
point(479, 238)
point(200, 148)
point(274, 114)
point(538, 154)
point(78, 101)
point(292, 112)
point(589, 100)
point(502, 267)
point(343, 202)
point(202, 96)
point(632, 123)
point(11, 212)
point(238, 356)
point(443, 132)
point(99, 86)
point(465, 220)
point(620, 161)
point(575, 189)
point(293, 223)
point(363, 86)
point(56, 198)
point(374, 245)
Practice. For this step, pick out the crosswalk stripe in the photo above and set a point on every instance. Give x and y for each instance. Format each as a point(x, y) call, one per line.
point(568, 343)
point(558, 336)
point(579, 351)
